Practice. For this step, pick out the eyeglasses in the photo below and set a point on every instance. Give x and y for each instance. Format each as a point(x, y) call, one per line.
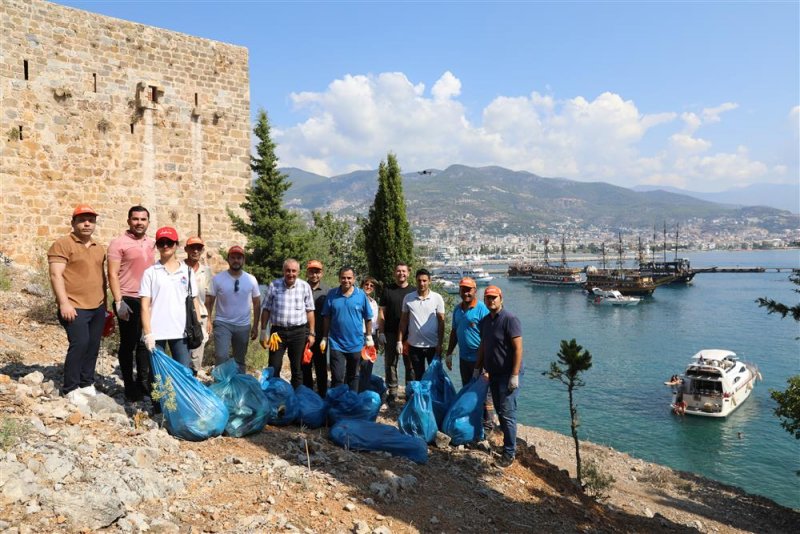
point(369, 284)
point(195, 248)
point(166, 243)
point(236, 286)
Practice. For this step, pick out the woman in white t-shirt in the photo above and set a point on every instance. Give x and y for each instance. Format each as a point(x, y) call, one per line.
point(368, 284)
point(164, 289)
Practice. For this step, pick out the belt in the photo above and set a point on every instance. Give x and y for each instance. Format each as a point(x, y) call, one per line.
point(295, 327)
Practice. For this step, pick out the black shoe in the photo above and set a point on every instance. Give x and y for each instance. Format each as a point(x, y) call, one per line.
point(504, 461)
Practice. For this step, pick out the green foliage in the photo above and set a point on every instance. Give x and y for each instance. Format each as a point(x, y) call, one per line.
point(388, 239)
point(595, 481)
point(5, 278)
point(789, 405)
point(338, 243)
point(166, 391)
point(257, 358)
point(11, 430)
point(780, 308)
point(273, 233)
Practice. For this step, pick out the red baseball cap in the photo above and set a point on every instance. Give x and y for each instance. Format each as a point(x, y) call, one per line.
point(467, 282)
point(236, 249)
point(314, 264)
point(194, 240)
point(167, 232)
point(492, 291)
point(83, 209)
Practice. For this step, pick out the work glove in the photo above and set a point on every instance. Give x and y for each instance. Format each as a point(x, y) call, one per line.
point(513, 383)
point(381, 339)
point(206, 335)
point(263, 339)
point(476, 373)
point(323, 345)
point(123, 310)
point(274, 342)
point(370, 342)
point(149, 342)
point(448, 360)
point(399, 347)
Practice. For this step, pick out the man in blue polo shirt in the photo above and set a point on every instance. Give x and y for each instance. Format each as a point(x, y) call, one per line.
point(465, 331)
point(347, 316)
point(500, 355)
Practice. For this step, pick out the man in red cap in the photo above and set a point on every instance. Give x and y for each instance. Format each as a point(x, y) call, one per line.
point(79, 284)
point(202, 273)
point(238, 298)
point(319, 360)
point(128, 257)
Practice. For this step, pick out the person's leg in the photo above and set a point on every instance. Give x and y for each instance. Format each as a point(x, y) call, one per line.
point(390, 359)
point(97, 321)
point(180, 351)
point(429, 354)
point(506, 405)
point(308, 374)
point(352, 363)
point(144, 375)
point(240, 339)
point(337, 368)
point(276, 356)
point(222, 342)
point(364, 374)
point(416, 359)
point(296, 347)
point(320, 362)
point(78, 338)
point(465, 369)
point(130, 332)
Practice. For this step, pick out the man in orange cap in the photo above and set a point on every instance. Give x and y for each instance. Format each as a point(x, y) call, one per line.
point(79, 284)
point(194, 247)
point(319, 360)
point(465, 331)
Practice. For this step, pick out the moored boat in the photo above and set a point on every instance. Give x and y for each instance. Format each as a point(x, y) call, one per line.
point(454, 273)
point(612, 298)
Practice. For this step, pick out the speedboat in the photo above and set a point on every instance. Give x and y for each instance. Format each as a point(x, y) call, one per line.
point(447, 285)
point(612, 297)
point(454, 273)
point(714, 384)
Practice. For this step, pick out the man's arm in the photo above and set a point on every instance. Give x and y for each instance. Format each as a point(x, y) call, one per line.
point(440, 333)
point(516, 350)
point(312, 335)
point(210, 300)
point(381, 319)
point(256, 313)
point(113, 279)
point(65, 308)
point(403, 326)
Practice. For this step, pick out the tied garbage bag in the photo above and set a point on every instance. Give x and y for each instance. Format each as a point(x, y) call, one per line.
point(416, 418)
point(313, 409)
point(359, 435)
point(377, 385)
point(343, 403)
point(283, 405)
point(191, 410)
point(247, 405)
point(442, 390)
point(464, 421)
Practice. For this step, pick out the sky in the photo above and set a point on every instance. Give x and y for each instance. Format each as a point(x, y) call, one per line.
point(703, 96)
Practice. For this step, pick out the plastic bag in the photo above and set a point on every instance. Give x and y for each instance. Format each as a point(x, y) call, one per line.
point(343, 403)
point(464, 421)
point(442, 390)
point(377, 384)
point(313, 409)
point(284, 407)
point(242, 395)
point(416, 418)
point(368, 436)
point(191, 410)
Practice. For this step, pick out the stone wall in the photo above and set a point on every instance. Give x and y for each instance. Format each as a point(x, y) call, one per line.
point(112, 113)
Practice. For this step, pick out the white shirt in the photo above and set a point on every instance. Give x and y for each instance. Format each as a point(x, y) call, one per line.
point(234, 307)
point(167, 292)
point(203, 274)
point(423, 323)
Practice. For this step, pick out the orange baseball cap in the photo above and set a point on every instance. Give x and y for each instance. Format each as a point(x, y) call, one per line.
point(236, 249)
point(314, 264)
point(467, 282)
point(167, 232)
point(195, 240)
point(492, 291)
point(83, 209)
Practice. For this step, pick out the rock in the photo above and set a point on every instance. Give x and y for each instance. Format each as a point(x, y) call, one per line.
point(59, 412)
point(33, 379)
point(56, 468)
point(360, 527)
point(649, 513)
point(434, 520)
point(408, 482)
point(74, 418)
point(38, 426)
point(144, 457)
point(383, 529)
point(698, 525)
point(102, 403)
point(5, 379)
point(160, 526)
point(35, 289)
point(350, 507)
point(442, 440)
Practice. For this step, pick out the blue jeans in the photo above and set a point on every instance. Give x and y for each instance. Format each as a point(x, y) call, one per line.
point(227, 335)
point(344, 368)
point(84, 334)
point(505, 404)
point(178, 348)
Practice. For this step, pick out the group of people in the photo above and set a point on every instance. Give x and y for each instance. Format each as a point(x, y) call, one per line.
point(340, 327)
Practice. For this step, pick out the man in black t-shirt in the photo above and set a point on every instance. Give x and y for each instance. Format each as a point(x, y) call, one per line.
point(391, 307)
point(319, 362)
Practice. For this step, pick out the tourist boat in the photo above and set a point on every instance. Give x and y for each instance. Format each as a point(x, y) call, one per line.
point(546, 274)
point(612, 298)
point(678, 271)
point(520, 269)
point(629, 282)
point(454, 273)
point(446, 285)
point(714, 384)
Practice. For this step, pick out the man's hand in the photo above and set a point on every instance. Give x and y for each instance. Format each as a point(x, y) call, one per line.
point(254, 332)
point(323, 345)
point(369, 341)
point(513, 383)
point(68, 312)
point(381, 339)
point(263, 339)
point(448, 360)
point(123, 310)
point(149, 341)
point(274, 342)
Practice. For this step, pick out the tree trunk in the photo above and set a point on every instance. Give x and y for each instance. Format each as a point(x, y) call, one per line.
point(574, 425)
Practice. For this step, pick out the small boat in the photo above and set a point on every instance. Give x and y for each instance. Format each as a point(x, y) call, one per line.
point(454, 273)
point(714, 384)
point(446, 285)
point(612, 297)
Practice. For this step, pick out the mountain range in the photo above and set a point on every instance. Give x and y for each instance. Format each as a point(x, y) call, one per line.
point(780, 196)
point(506, 201)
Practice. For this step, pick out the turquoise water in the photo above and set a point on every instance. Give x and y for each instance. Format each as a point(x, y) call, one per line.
point(625, 404)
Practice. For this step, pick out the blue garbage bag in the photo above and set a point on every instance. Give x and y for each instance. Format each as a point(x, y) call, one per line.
point(378, 385)
point(284, 407)
point(191, 410)
point(442, 390)
point(241, 393)
point(416, 418)
point(313, 409)
point(360, 435)
point(343, 403)
point(464, 421)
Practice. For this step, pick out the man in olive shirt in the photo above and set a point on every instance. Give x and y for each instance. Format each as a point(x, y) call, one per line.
point(79, 284)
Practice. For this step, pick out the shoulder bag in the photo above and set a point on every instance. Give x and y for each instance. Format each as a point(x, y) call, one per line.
point(193, 332)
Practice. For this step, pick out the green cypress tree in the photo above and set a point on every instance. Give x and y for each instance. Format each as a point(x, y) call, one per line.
point(273, 233)
point(388, 239)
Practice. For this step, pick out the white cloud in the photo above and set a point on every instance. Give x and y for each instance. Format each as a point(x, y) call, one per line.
point(357, 119)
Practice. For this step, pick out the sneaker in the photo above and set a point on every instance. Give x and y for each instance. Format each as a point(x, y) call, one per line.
point(77, 398)
point(504, 461)
point(88, 391)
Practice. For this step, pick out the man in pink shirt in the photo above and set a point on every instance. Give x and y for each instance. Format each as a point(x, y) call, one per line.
point(128, 257)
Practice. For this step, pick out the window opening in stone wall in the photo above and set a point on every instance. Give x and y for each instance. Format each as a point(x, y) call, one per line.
point(20, 132)
point(94, 79)
point(154, 94)
point(131, 127)
point(25, 67)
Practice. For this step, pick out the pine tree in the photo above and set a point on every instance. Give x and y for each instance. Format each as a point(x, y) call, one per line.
point(273, 233)
point(388, 239)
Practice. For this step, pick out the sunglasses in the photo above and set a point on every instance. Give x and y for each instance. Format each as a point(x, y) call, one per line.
point(169, 243)
point(195, 247)
point(369, 284)
point(236, 286)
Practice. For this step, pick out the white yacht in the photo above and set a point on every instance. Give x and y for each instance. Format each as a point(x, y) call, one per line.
point(454, 273)
point(612, 297)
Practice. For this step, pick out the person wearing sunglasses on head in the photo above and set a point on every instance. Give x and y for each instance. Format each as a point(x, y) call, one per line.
point(194, 252)
point(237, 297)
point(164, 289)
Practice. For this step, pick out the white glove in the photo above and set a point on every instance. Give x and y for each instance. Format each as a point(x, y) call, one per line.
point(123, 310)
point(205, 334)
point(149, 341)
point(476, 373)
point(381, 339)
point(323, 345)
point(399, 347)
point(370, 342)
point(513, 383)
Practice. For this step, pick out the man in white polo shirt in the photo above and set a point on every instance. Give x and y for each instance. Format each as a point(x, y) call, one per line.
point(422, 320)
point(237, 296)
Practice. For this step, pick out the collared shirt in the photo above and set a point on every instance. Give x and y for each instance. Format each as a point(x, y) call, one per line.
point(204, 275)
point(167, 292)
point(346, 318)
point(288, 305)
point(234, 305)
point(134, 256)
point(496, 335)
point(319, 294)
point(423, 321)
point(466, 325)
point(83, 275)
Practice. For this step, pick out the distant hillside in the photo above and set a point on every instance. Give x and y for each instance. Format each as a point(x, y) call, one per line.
point(498, 198)
point(779, 196)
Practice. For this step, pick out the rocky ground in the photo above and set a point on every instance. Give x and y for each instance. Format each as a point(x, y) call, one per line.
point(108, 466)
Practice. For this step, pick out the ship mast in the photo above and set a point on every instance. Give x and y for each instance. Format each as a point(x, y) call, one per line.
point(546, 251)
point(665, 241)
point(603, 255)
point(563, 251)
point(641, 251)
point(677, 225)
point(620, 261)
point(653, 252)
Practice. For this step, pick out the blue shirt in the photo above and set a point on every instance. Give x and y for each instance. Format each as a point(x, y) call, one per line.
point(466, 326)
point(346, 316)
point(496, 335)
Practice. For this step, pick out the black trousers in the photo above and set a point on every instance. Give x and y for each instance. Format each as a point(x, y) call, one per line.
point(293, 343)
point(419, 356)
point(84, 334)
point(133, 351)
point(318, 366)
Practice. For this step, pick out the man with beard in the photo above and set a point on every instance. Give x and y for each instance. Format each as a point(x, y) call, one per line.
point(389, 312)
point(319, 360)
point(202, 273)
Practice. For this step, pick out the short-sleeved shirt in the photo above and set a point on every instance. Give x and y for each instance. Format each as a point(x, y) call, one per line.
point(204, 275)
point(496, 335)
point(167, 292)
point(423, 323)
point(288, 305)
point(320, 293)
point(234, 307)
point(346, 316)
point(392, 302)
point(374, 305)
point(83, 275)
point(134, 256)
point(466, 325)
